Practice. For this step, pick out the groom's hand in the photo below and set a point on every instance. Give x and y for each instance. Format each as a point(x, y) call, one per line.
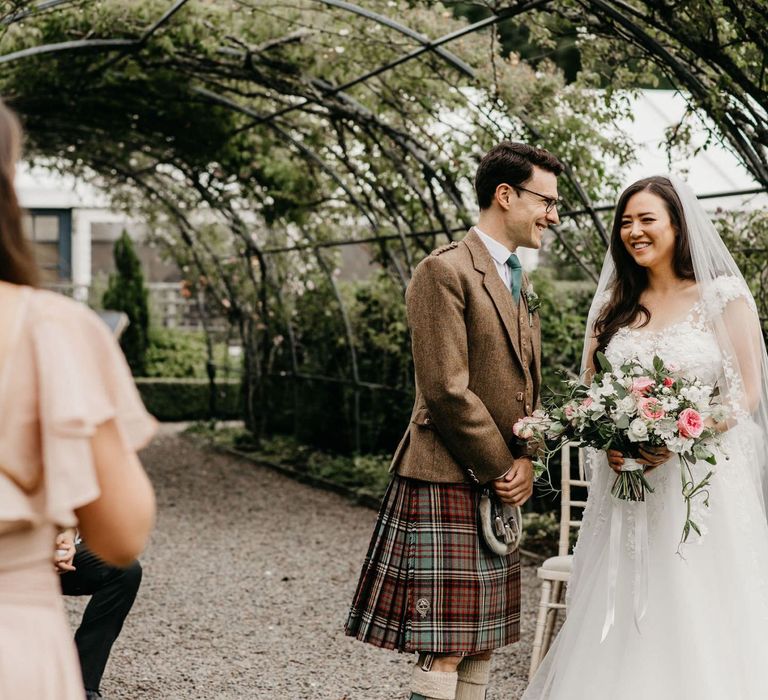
point(516, 486)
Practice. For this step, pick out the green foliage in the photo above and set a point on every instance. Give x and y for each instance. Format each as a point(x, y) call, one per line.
point(563, 312)
point(189, 399)
point(126, 292)
point(179, 353)
point(746, 235)
point(542, 533)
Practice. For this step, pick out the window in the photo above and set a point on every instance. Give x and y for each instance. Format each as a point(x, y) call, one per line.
point(50, 231)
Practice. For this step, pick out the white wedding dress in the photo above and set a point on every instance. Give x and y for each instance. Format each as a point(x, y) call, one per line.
point(704, 635)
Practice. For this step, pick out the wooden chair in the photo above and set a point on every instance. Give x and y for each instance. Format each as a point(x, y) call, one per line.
point(555, 571)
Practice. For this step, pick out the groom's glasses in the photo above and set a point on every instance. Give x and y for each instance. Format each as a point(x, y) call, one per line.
point(550, 203)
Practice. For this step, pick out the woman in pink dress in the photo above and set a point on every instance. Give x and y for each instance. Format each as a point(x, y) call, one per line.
point(71, 421)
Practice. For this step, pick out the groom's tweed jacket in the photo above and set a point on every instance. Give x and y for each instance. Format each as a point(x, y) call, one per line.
point(477, 359)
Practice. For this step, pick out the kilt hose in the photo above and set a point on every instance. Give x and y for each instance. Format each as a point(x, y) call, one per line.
point(428, 584)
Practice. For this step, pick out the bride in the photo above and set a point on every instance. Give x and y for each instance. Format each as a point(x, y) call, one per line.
point(648, 620)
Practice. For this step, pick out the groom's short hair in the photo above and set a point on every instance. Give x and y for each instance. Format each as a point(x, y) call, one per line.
point(512, 163)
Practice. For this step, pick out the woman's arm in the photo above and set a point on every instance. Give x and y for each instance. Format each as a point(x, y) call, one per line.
point(117, 524)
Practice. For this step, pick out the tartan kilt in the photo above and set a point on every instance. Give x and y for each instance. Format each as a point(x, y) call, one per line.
point(428, 583)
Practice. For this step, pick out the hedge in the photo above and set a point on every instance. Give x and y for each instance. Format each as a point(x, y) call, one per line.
point(189, 399)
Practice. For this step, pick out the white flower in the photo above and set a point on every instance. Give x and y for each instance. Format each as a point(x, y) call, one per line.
point(679, 445)
point(697, 395)
point(525, 433)
point(719, 413)
point(638, 430)
point(670, 403)
point(666, 428)
point(605, 389)
point(626, 405)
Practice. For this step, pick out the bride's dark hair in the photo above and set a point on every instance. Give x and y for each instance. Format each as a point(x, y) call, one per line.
point(631, 279)
point(17, 263)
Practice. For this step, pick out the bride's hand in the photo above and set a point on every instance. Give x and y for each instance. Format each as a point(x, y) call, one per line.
point(615, 460)
point(652, 455)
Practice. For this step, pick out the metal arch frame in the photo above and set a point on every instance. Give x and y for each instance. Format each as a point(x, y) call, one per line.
point(89, 43)
point(428, 45)
point(424, 48)
point(40, 7)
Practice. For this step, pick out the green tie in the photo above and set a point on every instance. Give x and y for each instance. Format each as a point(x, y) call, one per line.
point(517, 276)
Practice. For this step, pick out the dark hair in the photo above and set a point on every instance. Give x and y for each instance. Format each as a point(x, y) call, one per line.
point(17, 263)
point(631, 279)
point(510, 162)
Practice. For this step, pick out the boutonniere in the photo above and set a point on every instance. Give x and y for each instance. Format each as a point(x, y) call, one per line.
point(532, 301)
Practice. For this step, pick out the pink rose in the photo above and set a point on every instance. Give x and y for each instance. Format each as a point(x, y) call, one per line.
point(690, 423)
point(522, 429)
point(668, 381)
point(569, 411)
point(642, 385)
point(586, 403)
point(650, 408)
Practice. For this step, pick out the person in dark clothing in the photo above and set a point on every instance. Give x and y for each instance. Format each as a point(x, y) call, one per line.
point(112, 590)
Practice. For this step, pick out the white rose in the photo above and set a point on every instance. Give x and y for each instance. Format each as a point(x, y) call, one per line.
point(638, 430)
point(696, 395)
point(626, 405)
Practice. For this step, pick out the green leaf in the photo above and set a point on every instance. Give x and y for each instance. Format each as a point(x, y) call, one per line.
point(602, 360)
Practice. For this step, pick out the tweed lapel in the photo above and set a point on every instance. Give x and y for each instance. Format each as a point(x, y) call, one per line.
point(535, 330)
point(495, 287)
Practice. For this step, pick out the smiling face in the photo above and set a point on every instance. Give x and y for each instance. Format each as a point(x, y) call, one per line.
point(525, 214)
point(647, 231)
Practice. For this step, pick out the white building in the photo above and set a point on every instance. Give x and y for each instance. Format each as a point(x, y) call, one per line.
point(73, 230)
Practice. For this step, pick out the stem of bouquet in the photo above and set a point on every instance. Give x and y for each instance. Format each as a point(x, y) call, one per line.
point(631, 485)
point(541, 466)
point(691, 490)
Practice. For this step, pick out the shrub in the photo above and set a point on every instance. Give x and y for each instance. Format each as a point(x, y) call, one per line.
point(189, 399)
point(126, 292)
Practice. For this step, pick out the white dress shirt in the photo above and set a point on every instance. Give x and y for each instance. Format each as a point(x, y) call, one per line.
point(500, 255)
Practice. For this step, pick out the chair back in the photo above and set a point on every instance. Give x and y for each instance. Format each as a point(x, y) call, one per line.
point(573, 478)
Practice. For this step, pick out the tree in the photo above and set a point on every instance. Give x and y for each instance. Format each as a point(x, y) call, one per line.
point(126, 292)
point(714, 51)
point(241, 128)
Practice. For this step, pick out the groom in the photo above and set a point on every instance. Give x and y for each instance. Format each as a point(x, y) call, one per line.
point(477, 356)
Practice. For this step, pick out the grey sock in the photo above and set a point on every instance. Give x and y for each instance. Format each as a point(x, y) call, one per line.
point(473, 678)
point(433, 685)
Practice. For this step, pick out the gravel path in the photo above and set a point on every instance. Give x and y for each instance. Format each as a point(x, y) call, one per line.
point(247, 582)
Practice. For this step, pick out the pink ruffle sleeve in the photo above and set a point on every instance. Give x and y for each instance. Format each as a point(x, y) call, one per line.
point(83, 381)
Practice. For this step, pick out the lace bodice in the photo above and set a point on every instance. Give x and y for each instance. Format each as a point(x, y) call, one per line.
point(689, 343)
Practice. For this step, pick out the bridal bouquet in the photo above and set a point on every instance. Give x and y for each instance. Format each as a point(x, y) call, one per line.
point(632, 406)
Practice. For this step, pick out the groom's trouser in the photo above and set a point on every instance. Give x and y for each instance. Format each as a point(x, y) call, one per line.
point(113, 591)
